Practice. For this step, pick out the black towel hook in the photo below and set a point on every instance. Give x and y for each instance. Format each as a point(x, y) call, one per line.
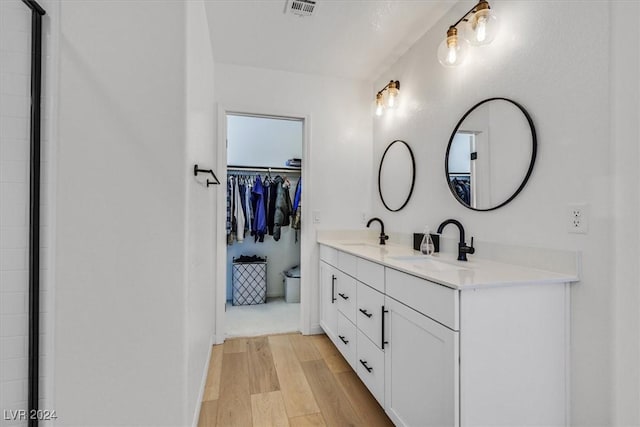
point(196, 171)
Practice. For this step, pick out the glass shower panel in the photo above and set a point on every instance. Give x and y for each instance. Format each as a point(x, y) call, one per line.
point(15, 75)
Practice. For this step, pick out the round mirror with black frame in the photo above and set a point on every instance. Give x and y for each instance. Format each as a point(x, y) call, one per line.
point(491, 154)
point(396, 175)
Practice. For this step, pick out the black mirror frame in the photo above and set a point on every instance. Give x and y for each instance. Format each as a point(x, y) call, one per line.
point(534, 149)
point(413, 177)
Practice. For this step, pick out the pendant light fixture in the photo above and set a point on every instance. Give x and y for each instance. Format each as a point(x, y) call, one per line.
point(480, 26)
point(393, 89)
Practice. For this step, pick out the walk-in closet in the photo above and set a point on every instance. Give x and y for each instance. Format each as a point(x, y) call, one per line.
point(264, 204)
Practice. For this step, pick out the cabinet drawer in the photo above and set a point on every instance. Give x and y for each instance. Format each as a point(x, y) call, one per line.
point(370, 273)
point(346, 339)
point(329, 255)
point(370, 367)
point(346, 295)
point(347, 263)
point(435, 301)
point(369, 314)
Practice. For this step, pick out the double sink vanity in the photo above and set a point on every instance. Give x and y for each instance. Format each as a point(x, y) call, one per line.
point(446, 340)
point(440, 342)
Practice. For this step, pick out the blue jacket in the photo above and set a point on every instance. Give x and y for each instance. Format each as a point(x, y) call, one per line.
point(260, 219)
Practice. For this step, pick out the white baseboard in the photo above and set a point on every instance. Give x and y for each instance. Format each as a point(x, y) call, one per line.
point(316, 330)
point(203, 384)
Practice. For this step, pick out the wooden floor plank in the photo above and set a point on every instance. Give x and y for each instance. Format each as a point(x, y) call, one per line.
point(296, 392)
point(208, 414)
point(330, 354)
point(313, 420)
point(262, 371)
point(365, 405)
point(334, 404)
point(235, 345)
point(268, 410)
point(234, 404)
point(304, 347)
point(212, 386)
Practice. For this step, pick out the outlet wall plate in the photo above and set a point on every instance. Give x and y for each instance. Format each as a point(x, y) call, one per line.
point(578, 218)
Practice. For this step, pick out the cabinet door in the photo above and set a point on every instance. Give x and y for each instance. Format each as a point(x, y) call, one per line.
point(421, 369)
point(328, 302)
point(370, 366)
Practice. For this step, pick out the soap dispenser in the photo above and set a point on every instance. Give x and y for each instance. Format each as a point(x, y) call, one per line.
point(427, 247)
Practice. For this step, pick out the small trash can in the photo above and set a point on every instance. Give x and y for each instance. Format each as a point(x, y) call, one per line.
point(292, 284)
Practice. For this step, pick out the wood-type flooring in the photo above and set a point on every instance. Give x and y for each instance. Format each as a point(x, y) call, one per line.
point(285, 380)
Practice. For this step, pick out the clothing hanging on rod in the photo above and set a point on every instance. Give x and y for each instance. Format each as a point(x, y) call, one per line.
point(258, 207)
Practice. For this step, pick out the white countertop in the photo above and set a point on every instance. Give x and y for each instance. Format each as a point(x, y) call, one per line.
point(446, 269)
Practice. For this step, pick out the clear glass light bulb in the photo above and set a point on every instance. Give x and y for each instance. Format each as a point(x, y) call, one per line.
point(379, 104)
point(452, 51)
point(452, 56)
point(392, 100)
point(481, 29)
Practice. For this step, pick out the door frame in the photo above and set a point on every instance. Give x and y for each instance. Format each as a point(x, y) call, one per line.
point(307, 238)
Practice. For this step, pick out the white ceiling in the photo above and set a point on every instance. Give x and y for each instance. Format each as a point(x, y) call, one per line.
point(344, 38)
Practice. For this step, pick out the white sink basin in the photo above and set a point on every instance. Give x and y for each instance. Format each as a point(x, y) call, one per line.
point(427, 263)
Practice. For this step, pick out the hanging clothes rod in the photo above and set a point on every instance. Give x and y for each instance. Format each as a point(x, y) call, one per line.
point(259, 169)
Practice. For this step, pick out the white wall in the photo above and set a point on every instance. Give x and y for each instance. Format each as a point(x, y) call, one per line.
point(120, 356)
point(15, 101)
point(262, 141)
point(625, 165)
point(339, 159)
point(200, 202)
point(556, 64)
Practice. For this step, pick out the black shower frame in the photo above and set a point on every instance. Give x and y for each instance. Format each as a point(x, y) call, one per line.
point(37, 12)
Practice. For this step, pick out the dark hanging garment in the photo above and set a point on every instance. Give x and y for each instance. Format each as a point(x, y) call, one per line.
point(463, 190)
point(282, 214)
point(271, 209)
point(229, 195)
point(260, 218)
point(297, 209)
point(266, 185)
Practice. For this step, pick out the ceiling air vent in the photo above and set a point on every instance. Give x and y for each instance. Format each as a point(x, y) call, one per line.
point(300, 7)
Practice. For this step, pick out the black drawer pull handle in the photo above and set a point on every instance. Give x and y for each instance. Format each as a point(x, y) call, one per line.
point(343, 340)
point(343, 296)
point(366, 313)
point(383, 340)
point(367, 367)
point(333, 288)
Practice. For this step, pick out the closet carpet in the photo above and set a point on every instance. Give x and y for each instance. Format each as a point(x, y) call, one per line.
point(285, 380)
point(274, 317)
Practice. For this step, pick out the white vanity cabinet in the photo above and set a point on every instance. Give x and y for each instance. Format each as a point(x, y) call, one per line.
point(435, 355)
point(421, 369)
point(328, 292)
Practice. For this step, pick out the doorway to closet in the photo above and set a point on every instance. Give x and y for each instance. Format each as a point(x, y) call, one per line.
point(263, 236)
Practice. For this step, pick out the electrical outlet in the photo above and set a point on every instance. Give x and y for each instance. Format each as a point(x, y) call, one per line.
point(363, 217)
point(316, 217)
point(578, 218)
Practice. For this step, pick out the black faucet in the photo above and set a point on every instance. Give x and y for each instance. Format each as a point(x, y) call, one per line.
point(463, 249)
point(383, 236)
